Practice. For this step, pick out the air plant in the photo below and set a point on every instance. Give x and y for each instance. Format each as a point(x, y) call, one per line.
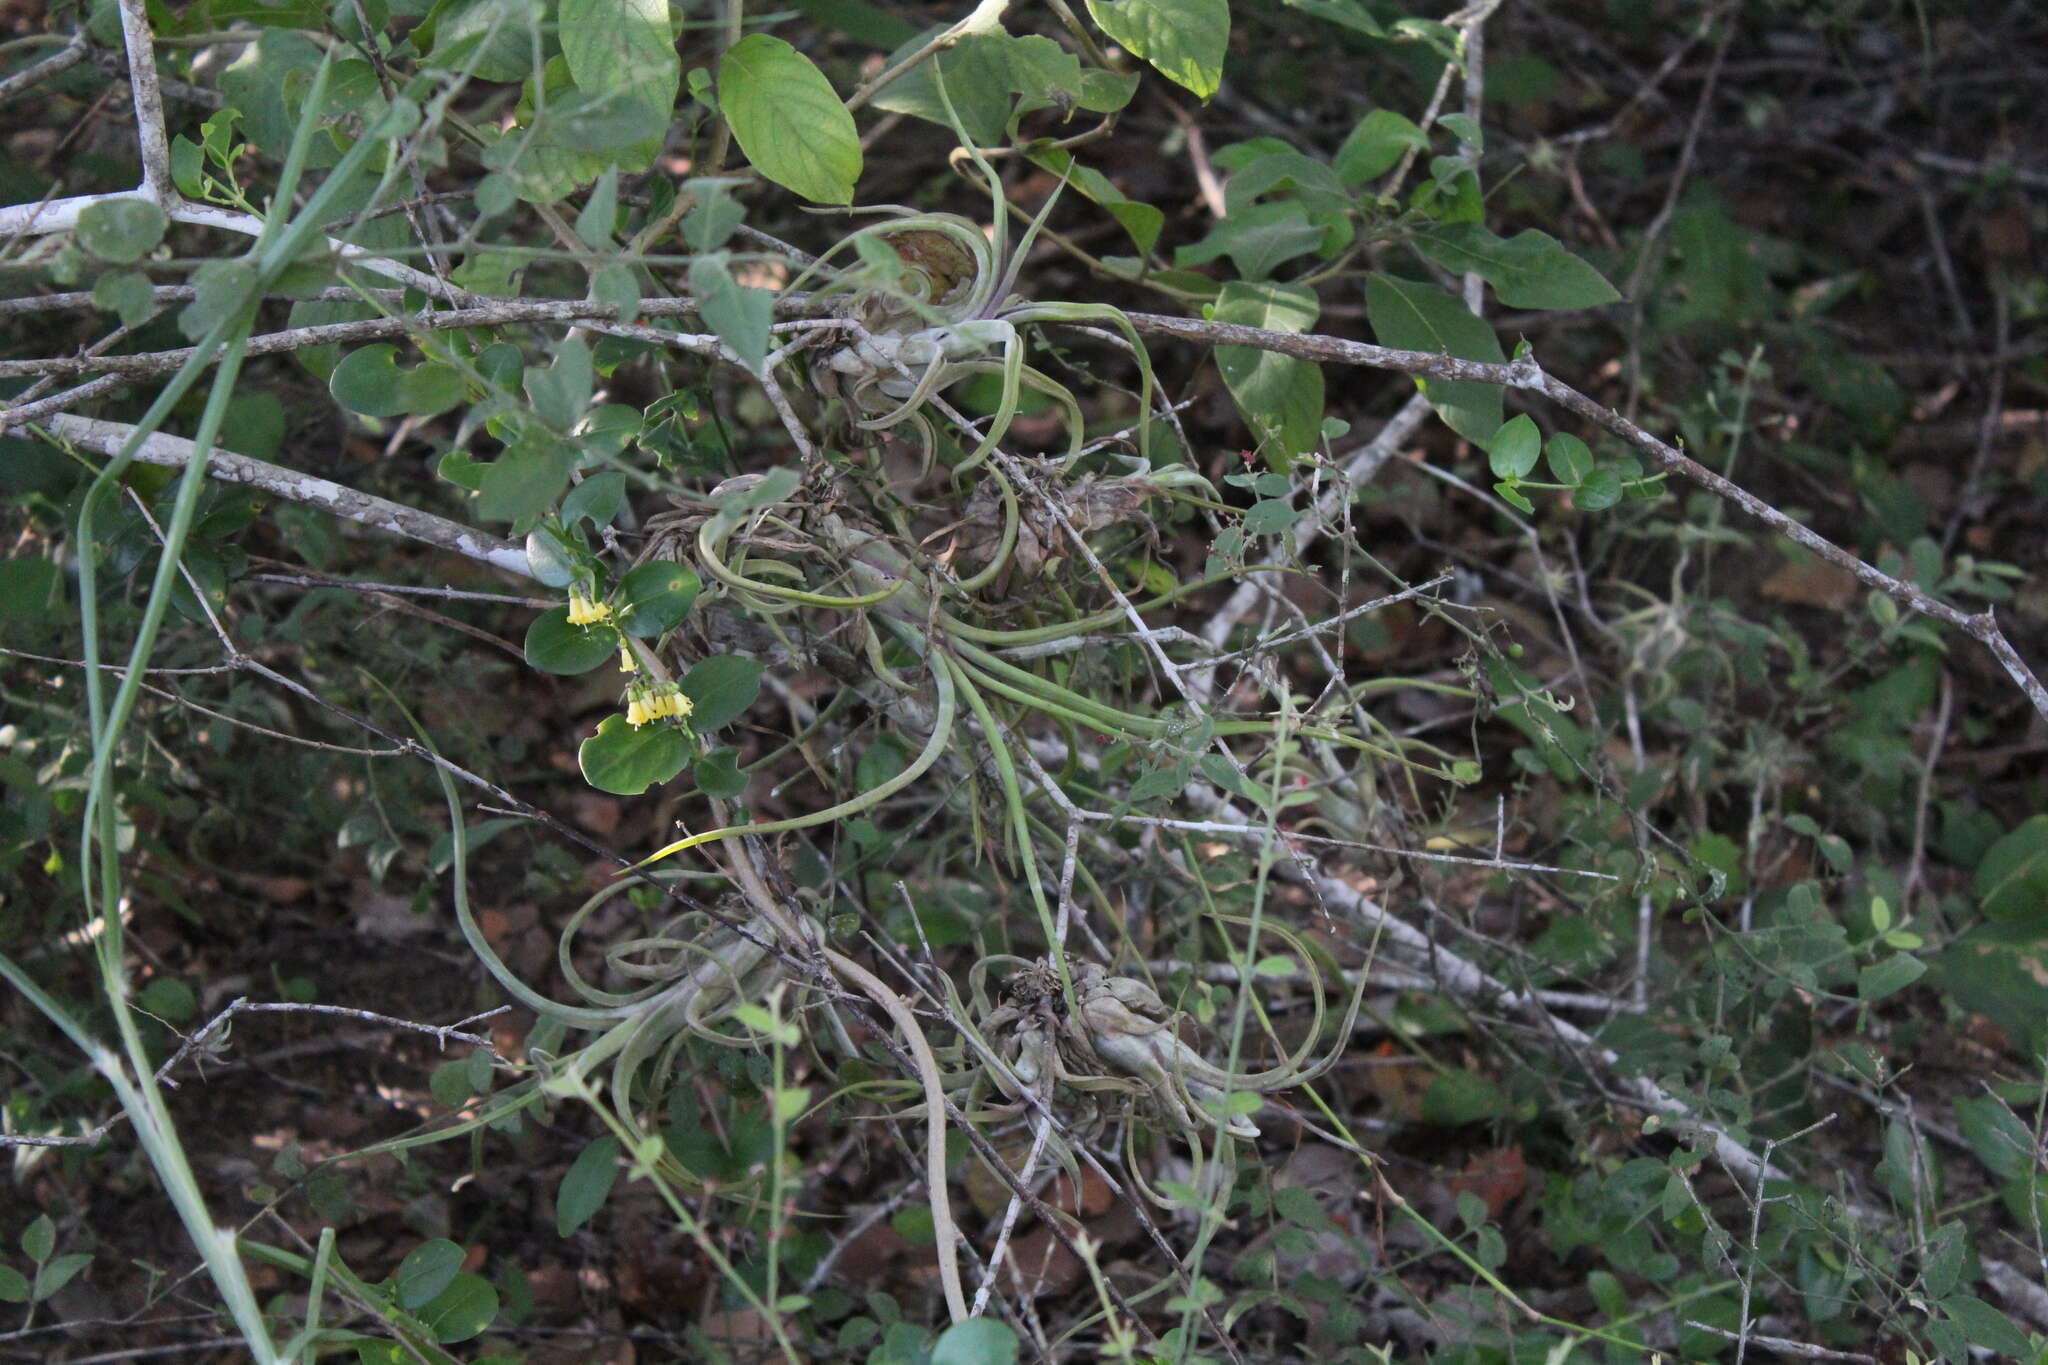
point(934, 305)
point(1116, 1053)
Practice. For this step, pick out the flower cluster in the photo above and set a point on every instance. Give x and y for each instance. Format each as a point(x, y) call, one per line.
point(646, 701)
point(584, 610)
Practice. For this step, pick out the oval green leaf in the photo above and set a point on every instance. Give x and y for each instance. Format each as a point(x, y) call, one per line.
point(626, 760)
point(1184, 40)
point(369, 382)
point(121, 230)
point(2012, 877)
point(1529, 270)
point(601, 497)
point(1599, 490)
point(1280, 396)
point(587, 1185)
point(1514, 449)
point(1570, 460)
point(788, 119)
point(555, 646)
point(655, 596)
point(426, 1270)
point(1413, 316)
point(720, 690)
point(718, 774)
point(126, 293)
point(554, 555)
point(977, 1341)
point(462, 1310)
point(740, 316)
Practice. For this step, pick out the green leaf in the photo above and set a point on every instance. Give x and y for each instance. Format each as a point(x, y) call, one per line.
point(1995, 1134)
point(1513, 452)
point(601, 498)
point(1375, 144)
point(980, 83)
point(1280, 396)
point(31, 589)
point(1411, 316)
point(626, 760)
point(127, 294)
point(1999, 970)
point(977, 1341)
point(1269, 517)
point(1987, 1327)
point(369, 382)
point(54, 1275)
point(555, 646)
point(1460, 1096)
point(495, 194)
point(706, 227)
point(219, 289)
point(879, 762)
point(449, 1083)
point(720, 690)
point(581, 132)
point(1947, 1259)
point(624, 49)
point(1910, 1170)
point(1529, 270)
point(1599, 490)
point(39, 1239)
point(741, 316)
point(655, 596)
point(600, 213)
point(1570, 460)
point(168, 998)
point(913, 1223)
point(2012, 876)
point(788, 120)
point(121, 230)
point(1297, 1206)
point(560, 392)
point(497, 34)
point(1142, 221)
point(718, 773)
point(859, 20)
point(1466, 129)
point(426, 1270)
point(587, 1184)
point(13, 1287)
point(1259, 238)
point(1888, 977)
point(1184, 40)
point(525, 481)
point(615, 286)
point(462, 1310)
point(1344, 13)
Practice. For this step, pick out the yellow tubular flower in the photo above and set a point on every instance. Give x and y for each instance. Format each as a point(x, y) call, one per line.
point(585, 612)
point(667, 699)
point(627, 663)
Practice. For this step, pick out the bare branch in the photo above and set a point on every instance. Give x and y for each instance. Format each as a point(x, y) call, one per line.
point(176, 452)
point(1527, 374)
point(70, 55)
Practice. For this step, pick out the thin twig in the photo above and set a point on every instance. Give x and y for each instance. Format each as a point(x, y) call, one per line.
point(176, 452)
point(1527, 374)
point(56, 64)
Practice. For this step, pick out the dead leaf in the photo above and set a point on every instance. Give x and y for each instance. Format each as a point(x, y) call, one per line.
point(1498, 1177)
point(1811, 583)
